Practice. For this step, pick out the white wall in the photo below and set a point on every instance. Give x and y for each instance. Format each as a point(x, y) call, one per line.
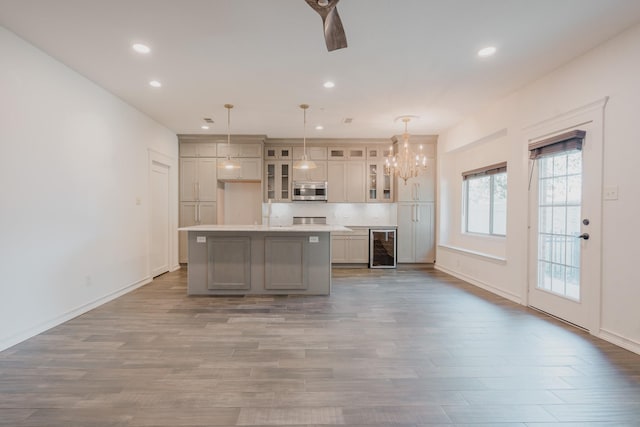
point(73, 163)
point(608, 70)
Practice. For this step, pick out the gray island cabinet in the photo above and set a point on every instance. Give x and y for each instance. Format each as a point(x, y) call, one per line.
point(259, 260)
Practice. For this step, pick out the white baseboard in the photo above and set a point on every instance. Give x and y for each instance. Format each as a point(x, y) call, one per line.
point(175, 267)
point(619, 340)
point(486, 286)
point(5, 343)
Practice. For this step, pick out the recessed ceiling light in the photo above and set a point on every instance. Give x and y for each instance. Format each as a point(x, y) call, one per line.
point(155, 83)
point(204, 127)
point(141, 48)
point(487, 51)
point(319, 127)
point(329, 85)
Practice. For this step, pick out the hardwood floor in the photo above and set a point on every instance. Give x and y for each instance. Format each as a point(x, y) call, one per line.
point(412, 347)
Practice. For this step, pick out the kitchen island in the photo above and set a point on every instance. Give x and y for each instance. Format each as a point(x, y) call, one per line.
point(259, 259)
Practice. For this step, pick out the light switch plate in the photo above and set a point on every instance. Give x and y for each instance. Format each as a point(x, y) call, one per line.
point(313, 239)
point(201, 239)
point(611, 192)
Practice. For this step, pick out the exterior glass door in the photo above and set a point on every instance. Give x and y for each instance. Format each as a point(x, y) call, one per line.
point(559, 206)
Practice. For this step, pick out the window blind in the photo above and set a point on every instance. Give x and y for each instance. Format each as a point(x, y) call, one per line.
point(571, 140)
point(487, 170)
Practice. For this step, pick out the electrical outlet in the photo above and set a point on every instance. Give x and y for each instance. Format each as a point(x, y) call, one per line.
point(201, 239)
point(313, 239)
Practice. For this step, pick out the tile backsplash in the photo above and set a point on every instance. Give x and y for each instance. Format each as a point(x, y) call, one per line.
point(336, 213)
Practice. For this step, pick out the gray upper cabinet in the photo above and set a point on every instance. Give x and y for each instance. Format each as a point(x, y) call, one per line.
point(278, 153)
point(313, 153)
point(317, 174)
point(250, 170)
point(198, 149)
point(240, 150)
point(346, 182)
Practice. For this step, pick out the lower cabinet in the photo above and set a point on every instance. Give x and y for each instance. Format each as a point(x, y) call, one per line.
point(350, 247)
point(229, 260)
point(416, 231)
point(194, 213)
point(285, 262)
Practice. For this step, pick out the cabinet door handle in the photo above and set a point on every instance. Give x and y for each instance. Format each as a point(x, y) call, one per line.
point(195, 192)
point(198, 214)
point(198, 191)
point(195, 214)
point(417, 191)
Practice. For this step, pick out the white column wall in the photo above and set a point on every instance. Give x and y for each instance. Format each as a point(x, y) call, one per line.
point(74, 163)
point(608, 70)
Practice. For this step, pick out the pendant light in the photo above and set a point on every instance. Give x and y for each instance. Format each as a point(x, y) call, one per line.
point(229, 163)
point(304, 163)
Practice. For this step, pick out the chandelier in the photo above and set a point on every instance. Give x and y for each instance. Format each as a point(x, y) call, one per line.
point(406, 163)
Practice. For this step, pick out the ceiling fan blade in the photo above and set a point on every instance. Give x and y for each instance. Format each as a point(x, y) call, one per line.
point(334, 35)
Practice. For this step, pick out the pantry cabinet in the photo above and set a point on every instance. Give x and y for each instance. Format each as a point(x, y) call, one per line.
point(198, 179)
point(416, 232)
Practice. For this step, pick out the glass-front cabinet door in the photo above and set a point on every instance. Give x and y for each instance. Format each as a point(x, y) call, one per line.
point(379, 183)
point(277, 181)
point(372, 182)
point(285, 182)
point(270, 187)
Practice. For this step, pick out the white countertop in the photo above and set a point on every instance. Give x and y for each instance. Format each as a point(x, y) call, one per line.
point(264, 228)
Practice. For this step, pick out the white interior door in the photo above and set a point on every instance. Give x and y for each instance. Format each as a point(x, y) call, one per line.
point(565, 211)
point(159, 211)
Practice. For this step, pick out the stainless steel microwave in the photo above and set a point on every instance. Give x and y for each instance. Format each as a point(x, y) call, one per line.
point(310, 191)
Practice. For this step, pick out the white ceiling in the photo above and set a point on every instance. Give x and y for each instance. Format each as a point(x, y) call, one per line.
point(404, 57)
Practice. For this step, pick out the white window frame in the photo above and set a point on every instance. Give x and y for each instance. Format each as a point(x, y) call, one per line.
point(492, 172)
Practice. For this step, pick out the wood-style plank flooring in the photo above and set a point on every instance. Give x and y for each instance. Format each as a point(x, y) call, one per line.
point(412, 347)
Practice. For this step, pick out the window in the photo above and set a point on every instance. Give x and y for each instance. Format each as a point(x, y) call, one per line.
point(485, 200)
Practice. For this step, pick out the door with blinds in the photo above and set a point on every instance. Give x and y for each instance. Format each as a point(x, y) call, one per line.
point(564, 227)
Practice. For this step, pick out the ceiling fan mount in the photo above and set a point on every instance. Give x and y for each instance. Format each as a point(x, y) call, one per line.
point(334, 35)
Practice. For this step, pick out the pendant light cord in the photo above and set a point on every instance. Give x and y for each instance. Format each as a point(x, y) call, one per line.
point(304, 130)
point(228, 107)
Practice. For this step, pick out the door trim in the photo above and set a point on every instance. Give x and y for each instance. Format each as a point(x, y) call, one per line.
point(593, 113)
point(171, 163)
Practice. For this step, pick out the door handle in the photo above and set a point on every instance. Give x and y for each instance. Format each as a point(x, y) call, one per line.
point(584, 236)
